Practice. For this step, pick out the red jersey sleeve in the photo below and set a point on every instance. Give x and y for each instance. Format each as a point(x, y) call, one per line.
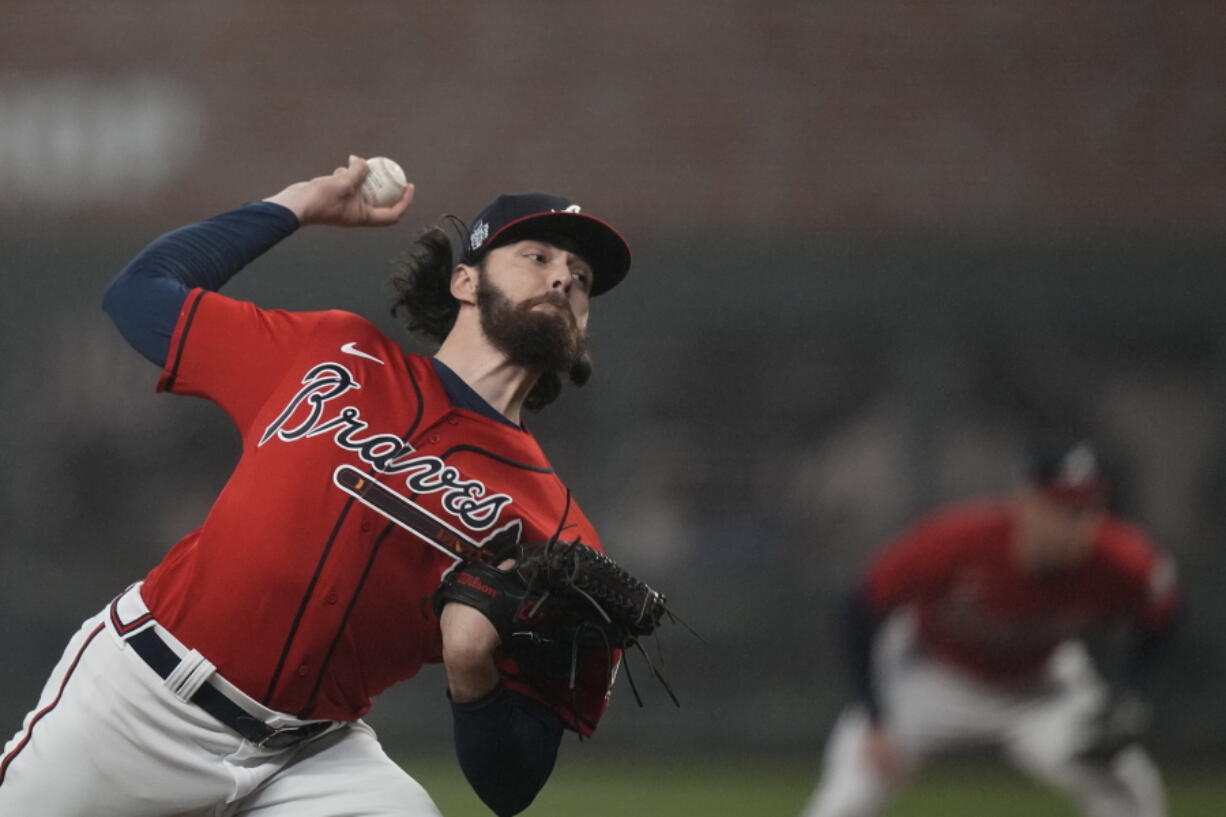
point(918, 563)
point(230, 351)
point(1148, 583)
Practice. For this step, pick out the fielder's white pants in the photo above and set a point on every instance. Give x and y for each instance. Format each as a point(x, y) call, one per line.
point(928, 706)
point(109, 739)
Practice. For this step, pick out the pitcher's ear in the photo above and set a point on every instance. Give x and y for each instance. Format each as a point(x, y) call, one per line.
point(464, 283)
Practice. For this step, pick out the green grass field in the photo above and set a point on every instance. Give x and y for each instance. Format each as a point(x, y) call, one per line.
point(752, 788)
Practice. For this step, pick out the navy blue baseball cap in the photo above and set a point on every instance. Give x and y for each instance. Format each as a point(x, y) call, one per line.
point(518, 216)
point(1066, 468)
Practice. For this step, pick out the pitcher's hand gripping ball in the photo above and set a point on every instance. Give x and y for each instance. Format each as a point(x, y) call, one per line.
point(384, 183)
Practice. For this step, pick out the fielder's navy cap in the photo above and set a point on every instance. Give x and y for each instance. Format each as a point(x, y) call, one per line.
point(1066, 467)
point(517, 216)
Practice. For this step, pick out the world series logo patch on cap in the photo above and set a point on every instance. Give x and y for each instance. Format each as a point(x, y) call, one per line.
point(1079, 465)
point(481, 231)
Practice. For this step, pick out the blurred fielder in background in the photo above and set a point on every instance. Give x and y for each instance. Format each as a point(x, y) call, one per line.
point(966, 630)
point(232, 679)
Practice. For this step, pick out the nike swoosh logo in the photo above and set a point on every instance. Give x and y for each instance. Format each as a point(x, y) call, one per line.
point(351, 348)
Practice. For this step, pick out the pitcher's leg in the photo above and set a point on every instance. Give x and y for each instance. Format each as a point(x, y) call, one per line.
point(102, 741)
point(342, 774)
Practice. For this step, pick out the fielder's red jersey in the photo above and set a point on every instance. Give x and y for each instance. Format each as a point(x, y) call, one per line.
point(302, 593)
point(979, 609)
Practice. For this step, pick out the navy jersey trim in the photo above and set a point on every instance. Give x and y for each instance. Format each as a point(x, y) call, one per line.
point(306, 600)
point(187, 328)
point(121, 627)
point(462, 395)
point(304, 713)
point(495, 457)
point(8, 759)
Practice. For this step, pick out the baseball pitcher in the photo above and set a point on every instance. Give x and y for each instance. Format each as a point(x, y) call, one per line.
point(388, 511)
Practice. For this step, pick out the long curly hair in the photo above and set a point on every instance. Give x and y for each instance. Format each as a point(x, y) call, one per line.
point(421, 280)
point(421, 289)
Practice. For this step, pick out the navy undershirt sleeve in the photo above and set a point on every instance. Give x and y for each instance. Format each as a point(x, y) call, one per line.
point(145, 298)
point(1149, 649)
point(862, 625)
point(506, 744)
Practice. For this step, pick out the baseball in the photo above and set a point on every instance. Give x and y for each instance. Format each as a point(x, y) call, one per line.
point(384, 184)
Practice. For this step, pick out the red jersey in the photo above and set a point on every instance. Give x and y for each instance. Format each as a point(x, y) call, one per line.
point(305, 597)
point(979, 608)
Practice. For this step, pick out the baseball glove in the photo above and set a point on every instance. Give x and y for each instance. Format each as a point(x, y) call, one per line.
point(1121, 722)
point(552, 601)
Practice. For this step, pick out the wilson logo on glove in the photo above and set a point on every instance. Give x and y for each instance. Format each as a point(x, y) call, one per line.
point(476, 584)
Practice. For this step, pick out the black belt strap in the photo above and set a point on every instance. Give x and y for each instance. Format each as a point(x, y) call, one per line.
point(162, 659)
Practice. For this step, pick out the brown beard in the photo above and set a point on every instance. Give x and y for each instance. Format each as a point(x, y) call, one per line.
point(543, 341)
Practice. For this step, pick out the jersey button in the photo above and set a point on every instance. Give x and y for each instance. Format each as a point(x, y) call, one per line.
point(455, 421)
point(365, 526)
point(303, 670)
point(330, 598)
point(434, 438)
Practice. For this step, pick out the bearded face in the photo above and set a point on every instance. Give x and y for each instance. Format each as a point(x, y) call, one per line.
point(543, 339)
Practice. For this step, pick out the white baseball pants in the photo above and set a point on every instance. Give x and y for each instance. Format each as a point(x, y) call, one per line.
point(928, 707)
point(108, 738)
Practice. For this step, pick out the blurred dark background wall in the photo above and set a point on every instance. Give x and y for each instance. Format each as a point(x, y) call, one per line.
point(874, 243)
